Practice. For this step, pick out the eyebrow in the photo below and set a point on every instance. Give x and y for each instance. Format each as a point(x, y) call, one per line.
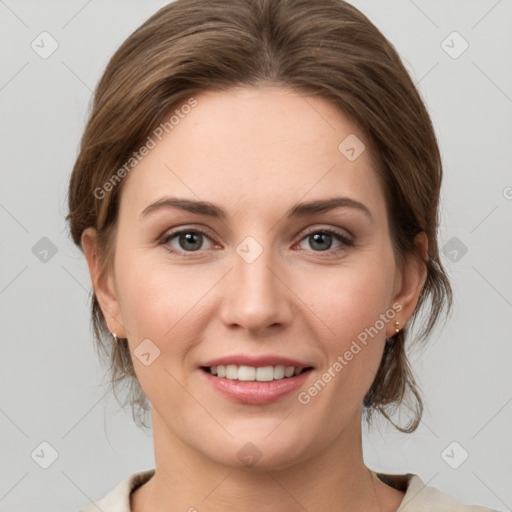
point(297, 211)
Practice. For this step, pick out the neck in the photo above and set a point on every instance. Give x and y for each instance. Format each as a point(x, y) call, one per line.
point(334, 479)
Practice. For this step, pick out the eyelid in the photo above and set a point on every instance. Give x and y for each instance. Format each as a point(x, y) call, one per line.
point(344, 233)
point(346, 240)
point(169, 234)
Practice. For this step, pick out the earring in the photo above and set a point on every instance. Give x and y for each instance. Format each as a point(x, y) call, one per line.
point(115, 337)
point(397, 327)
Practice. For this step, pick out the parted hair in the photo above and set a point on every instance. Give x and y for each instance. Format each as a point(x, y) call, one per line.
point(325, 48)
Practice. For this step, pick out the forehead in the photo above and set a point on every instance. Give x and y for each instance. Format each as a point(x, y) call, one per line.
point(253, 147)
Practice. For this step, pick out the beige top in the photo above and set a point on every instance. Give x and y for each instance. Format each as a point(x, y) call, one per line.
point(418, 497)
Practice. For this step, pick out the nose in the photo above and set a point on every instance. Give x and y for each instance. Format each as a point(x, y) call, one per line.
point(255, 295)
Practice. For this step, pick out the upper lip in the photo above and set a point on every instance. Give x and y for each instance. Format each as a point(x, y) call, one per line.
point(256, 361)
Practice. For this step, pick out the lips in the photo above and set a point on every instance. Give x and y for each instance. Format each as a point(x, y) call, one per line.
point(255, 380)
point(256, 361)
point(261, 369)
point(252, 373)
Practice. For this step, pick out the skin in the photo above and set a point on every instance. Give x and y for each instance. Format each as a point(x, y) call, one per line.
point(256, 152)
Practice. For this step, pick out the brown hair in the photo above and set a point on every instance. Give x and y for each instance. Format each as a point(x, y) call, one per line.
point(322, 47)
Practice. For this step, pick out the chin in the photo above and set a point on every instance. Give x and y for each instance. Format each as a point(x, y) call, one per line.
point(259, 453)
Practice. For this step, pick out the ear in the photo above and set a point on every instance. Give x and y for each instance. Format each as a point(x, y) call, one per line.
point(103, 284)
point(409, 283)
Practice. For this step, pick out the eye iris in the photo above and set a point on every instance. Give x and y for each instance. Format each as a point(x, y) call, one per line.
point(189, 238)
point(321, 241)
point(317, 238)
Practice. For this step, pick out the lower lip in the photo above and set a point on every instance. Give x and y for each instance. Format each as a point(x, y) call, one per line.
point(255, 392)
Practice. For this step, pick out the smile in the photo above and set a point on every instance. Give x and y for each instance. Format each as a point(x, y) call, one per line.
point(253, 373)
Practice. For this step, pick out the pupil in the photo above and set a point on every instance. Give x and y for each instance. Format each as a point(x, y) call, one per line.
point(189, 238)
point(195, 240)
point(317, 238)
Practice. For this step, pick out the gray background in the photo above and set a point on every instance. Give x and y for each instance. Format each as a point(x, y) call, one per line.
point(52, 384)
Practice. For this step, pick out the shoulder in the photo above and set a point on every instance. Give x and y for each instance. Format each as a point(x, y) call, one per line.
point(118, 499)
point(418, 496)
point(424, 498)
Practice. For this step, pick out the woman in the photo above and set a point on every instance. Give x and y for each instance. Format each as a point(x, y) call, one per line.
point(285, 143)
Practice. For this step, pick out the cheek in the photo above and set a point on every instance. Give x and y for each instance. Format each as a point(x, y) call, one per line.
point(155, 297)
point(169, 305)
point(351, 303)
point(350, 298)
point(162, 305)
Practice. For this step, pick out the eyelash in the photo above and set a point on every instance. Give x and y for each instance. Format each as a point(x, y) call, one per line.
point(344, 239)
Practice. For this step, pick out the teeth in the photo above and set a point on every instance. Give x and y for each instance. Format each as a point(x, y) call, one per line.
point(251, 373)
point(279, 372)
point(246, 373)
point(265, 374)
point(231, 371)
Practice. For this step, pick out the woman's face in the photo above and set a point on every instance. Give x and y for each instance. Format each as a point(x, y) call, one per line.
point(258, 279)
